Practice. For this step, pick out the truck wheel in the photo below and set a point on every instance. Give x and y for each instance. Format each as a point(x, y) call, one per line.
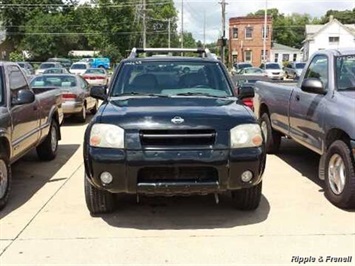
point(47, 150)
point(272, 137)
point(98, 201)
point(340, 175)
point(82, 115)
point(94, 109)
point(247, 199)
point(5, 180)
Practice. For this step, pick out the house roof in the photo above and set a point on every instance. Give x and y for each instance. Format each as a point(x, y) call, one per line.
point(313, 30)
point(277, 46)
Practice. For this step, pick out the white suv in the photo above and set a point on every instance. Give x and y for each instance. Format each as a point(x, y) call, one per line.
point(273, 70)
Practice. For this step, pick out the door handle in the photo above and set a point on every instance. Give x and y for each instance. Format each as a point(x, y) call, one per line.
point(298, 97)
point(35, 108)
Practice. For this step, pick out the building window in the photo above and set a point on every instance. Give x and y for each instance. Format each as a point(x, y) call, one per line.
point(333, 40)
point(276, 57)
point(267, 32)
point(294, 57)
point(249, 32)
point(262, 55)
point(248, 56)
point(285, 57)
point(235, 33)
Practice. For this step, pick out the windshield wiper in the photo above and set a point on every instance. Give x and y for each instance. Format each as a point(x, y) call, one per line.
point(133, 93)
point(352, 88)
point(199, 94)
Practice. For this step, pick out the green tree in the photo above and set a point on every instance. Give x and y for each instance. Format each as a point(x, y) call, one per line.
point(345, 17)
point(287, 29)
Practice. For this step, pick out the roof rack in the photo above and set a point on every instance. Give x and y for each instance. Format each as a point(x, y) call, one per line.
point(201, 51)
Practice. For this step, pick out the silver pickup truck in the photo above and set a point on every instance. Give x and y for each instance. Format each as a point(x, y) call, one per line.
point(29, 118)
point(318, 113)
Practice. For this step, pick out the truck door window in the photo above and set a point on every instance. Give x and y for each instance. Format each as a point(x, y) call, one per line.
point(319, 69)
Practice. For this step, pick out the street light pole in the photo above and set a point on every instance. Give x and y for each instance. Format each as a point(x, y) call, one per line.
point(169, 38)
point(182, 23)
point(265, 29)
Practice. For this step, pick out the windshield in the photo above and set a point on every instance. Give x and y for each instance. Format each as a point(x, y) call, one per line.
point(300, 65)
point(53, 71)
point(21, 64)
point(172, 78)
point(345, 72)
point(54, 80)
point(46, 65)
point(253, 70)
point(95, 71)
point(78, 66)
point(272, 66)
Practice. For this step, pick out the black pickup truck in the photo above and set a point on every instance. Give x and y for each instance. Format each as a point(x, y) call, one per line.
point(318, 113)
point(172, 125)
point(29, 118)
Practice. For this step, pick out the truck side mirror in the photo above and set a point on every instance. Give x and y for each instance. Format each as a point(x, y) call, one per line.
point(24, 96)
point(98, 92)
point(246, 91)
point(313, 85)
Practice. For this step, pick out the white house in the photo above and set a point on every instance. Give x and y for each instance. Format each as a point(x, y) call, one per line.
point(282, 53)
point(331, 35)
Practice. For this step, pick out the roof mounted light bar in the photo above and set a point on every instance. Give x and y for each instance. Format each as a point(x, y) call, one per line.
point(203, 52)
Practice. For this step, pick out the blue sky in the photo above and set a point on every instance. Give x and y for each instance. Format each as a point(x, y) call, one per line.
point(194, 10)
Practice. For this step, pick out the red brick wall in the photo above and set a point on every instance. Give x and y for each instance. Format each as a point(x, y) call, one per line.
point(254, 44)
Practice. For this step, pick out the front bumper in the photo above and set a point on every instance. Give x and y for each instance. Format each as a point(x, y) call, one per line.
point(126, 165)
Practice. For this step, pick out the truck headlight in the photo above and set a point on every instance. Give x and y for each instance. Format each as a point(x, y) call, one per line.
point(246, 136)
point(107, 136)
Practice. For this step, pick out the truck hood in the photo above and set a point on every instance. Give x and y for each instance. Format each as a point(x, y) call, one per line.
point(347, 96)
point(138, 113)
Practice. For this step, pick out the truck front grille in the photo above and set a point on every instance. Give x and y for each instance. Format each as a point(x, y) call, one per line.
point(170, 138)
point(177, 174)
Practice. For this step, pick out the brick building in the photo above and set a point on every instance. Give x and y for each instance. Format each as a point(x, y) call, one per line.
point(246, 39)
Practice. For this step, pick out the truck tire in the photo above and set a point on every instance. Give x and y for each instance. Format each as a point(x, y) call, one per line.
point(5, 180)
point(340, 175)
point(47, 150)
point(247, 199)
point(98, 201)
point(272, 137)
point(82, 115)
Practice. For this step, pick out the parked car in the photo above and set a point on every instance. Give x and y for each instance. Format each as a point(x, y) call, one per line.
point(54, 70)
point(96, 76)
point(28, 119)
point(27, 73)
point(75, 93)
point(237, 67)
point(98, 62)
point(27, 66)
point(46, 65)
point(273, 70)
point(318, 113)
point(254, 71)
point(169, 133)
point(294, 69)
point(65, 62)
point(79, 68)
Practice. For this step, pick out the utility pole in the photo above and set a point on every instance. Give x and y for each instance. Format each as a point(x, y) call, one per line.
point(223, 4)
point(144, 25)
point(169, 38)
point(182, 23)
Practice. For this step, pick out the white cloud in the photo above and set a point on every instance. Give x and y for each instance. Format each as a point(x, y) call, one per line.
point(194, 12)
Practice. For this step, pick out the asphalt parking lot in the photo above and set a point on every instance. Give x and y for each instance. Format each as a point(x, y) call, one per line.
point(47, 222)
